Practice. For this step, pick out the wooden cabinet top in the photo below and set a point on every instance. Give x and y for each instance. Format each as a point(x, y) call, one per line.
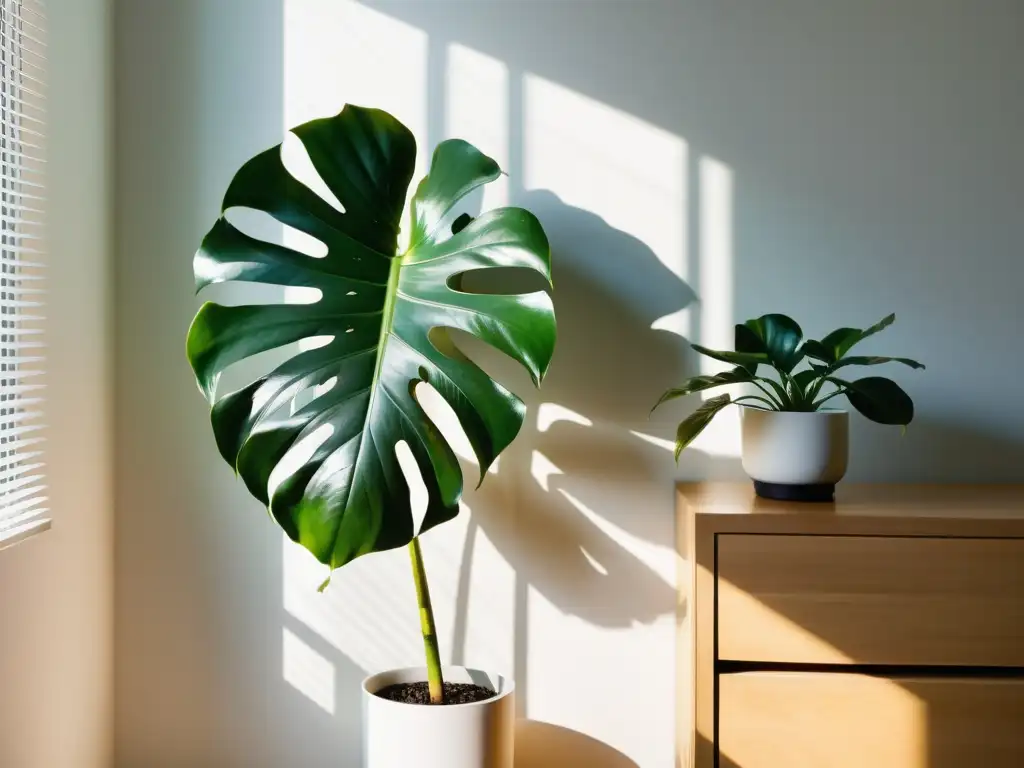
point(859, 509)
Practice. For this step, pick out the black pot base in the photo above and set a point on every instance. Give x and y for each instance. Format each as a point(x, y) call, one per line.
point(815, 492)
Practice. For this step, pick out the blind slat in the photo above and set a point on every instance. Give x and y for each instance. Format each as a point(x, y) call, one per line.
point(7, 100)
point(21, 416)
point(8, 390)
point(20, 483)
point(16, 47)
point(25, 90)
point(16, 514)
point(23, 262)
point(23, 128)
point(22, 155)
point(23, 468)
point(13, 520)
point(18, 376)
point(15, 431)
point(26, 36)
point(23, 76)
point(25, 497)
point(7, 208)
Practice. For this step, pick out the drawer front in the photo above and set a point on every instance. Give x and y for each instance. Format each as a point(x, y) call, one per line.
point(871, 600)
point(818, 720)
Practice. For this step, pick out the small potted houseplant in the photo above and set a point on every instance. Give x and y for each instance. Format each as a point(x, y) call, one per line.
point(327, 470)
point(794, 447)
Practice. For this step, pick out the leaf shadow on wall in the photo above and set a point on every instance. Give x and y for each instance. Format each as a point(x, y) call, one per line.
point(579, 499)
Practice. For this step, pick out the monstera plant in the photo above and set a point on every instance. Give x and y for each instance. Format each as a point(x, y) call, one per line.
point(389, 314)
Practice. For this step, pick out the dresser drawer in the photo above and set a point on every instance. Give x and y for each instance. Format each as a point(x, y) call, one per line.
point(870, 600)
point(819, 720)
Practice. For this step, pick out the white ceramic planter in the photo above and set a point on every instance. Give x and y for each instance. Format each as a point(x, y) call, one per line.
point(478, 735)
point(795, 456)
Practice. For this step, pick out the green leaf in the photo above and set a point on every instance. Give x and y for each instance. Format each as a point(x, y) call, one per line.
point(874, 360)
point(805, 386)
point(804, 378)
point(779, 337)
point(389, 317)
point(746, 339)
point(835, 346)
point(456, 169)
point(785, 401)
point(701, 383)
point(818, 351)
point(748, 360)
point(881, 400)
point(695, 423)
point(881, 325)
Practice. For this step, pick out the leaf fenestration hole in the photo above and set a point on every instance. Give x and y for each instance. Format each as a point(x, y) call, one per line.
point(298, 455)
point(263, 226)
point(297, 162)
point(445, 419)
point(315, 342)
point(418, 495)
point(302, 295)
point(327, 386)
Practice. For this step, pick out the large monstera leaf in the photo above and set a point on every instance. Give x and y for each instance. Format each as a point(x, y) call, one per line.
point(389, 316)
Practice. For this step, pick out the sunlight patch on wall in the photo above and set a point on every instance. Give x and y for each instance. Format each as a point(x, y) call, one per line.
point(606, 161)
point(666, 445)
point(368, 612)
point(358, 613)
point(307, 671)
point(339, 51)
point(716, 289)
point(490, 638)
point(542, 469)
point(477, 111)
point(549, 414)
point(660, 559)
point(716, 259)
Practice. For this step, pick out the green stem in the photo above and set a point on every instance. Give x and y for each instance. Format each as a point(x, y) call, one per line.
point(435, 682)
point(819, 382)
point(772, 401)
point(782, 396)
point(771, 406)
point(825, 399)
point(789, 384)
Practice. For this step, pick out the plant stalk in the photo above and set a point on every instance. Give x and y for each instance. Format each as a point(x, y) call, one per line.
point(435, 682)
point(773, 401)
point(828, 397)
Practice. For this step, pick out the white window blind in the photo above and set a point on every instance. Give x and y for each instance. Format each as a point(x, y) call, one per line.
point(22, 251)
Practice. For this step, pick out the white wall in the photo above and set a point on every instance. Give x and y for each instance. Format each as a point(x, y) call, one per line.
point(832, 161)
point(56, 590)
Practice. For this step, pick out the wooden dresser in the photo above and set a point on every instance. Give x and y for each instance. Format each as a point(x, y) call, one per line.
point(885, 630)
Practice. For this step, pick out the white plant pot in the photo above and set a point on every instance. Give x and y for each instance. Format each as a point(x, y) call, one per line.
point(795, 456)
point(477, 735)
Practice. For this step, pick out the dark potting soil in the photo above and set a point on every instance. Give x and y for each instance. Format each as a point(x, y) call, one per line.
point(418, 693)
